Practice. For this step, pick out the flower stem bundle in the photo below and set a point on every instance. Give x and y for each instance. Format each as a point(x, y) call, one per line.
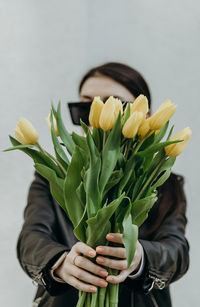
point(110, 182)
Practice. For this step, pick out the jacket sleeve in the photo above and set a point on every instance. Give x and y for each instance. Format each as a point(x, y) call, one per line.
point(167, 254)
point(38, 247)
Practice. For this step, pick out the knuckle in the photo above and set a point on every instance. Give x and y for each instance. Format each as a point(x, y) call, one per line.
point(79, 275)
point(123, 265)
point(79, 261)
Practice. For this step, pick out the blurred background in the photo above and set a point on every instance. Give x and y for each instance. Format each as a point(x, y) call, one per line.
point(45, 48)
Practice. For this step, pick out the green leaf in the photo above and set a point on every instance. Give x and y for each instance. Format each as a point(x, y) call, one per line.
point(110, 154)
point(72, 181)
point(56, 183)
point(81, 142)
point(127, 114)
point(60, 154)
point(129, 170)
point(38, 157)
point(80, 192)
point(80, 229)
point(141, 208)
point(63, 133)
point(85, 127)
point(99, 225)
point(161, 180)
point(97, 135)
point(161, 133)
point(155, 148)
point(130, 236)
point(19, 147)
point(113, 180)
point(170, 132)
point(91, 182)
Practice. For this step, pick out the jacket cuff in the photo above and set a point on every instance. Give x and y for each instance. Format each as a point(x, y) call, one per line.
point(51, 285)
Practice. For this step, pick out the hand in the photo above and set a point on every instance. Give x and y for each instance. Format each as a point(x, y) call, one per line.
point(75, 269)
point(119, 252)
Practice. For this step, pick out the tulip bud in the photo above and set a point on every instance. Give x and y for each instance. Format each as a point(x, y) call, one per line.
point(109, 113)
point(176, 149)
point(54, 124)
point(95, 112)
point(162, 115)
point(140, 104)
point(143, 128)
point(132, 124)
point(25, 132)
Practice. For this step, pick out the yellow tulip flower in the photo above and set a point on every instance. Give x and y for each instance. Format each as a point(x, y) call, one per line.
point(162, 115)
point(54, 124)
point(144, 128)
point(140, 104)
point(95, 112)
point(132, 124)
point(109, 113)
point(176, 149)
point(25, 132)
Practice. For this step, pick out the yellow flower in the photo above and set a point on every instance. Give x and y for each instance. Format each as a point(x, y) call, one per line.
point(25, 132)
point(144, 128)
point(131, 126)
point(54, 124)
point(109, 113)
point(162, 115)
point(176, 149)
point(95, 112)
point(140, 105)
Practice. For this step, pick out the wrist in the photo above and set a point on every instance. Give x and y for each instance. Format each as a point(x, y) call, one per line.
point(54, 268)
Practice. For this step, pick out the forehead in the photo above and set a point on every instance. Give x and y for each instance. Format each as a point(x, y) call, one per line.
point(105, 87)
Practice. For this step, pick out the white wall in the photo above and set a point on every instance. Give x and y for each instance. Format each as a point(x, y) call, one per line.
point(45, 47)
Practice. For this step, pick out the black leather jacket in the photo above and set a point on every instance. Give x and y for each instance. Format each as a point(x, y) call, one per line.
point(47, 233)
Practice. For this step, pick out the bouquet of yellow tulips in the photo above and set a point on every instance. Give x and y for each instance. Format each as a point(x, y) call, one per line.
point(111, 181)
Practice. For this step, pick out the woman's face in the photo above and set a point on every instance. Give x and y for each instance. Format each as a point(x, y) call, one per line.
point(105, 87)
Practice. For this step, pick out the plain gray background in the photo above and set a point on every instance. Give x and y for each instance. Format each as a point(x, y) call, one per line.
point(45, 47)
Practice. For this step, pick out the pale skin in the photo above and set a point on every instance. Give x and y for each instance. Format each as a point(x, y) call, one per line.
point(77, 270)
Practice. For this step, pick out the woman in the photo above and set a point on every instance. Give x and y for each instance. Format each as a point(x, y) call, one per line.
point(50, 254)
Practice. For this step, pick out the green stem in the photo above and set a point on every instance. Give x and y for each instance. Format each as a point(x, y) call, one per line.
point(52, 157)
point(151, 177)
point(81, 300)
point(113, 290)
point(141, 142)
point(104, 139)
point(127, 149)
point(107, 298)
point(94, 301)
point(88, 300)
point(102, 296)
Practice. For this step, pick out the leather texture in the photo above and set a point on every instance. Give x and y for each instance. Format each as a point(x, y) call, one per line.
point(47, 233)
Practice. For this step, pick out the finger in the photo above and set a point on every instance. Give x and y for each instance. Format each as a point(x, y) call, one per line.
point(118, 278)
point(74, 282)
point(112, 263)
point(89, 266)
point(115, 237)
point(86, 277)
point(119, 252)
point(84, 249)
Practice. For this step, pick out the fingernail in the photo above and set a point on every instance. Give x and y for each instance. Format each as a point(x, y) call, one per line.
point(93, 289)
point(103, 283)
point(99, 249)
point(99, 259)
point(110, 236)
point(110, 278)
point(103, 273)
point(92, 253)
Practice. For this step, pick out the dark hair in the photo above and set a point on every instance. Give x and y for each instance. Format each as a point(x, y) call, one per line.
point(123, 74)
